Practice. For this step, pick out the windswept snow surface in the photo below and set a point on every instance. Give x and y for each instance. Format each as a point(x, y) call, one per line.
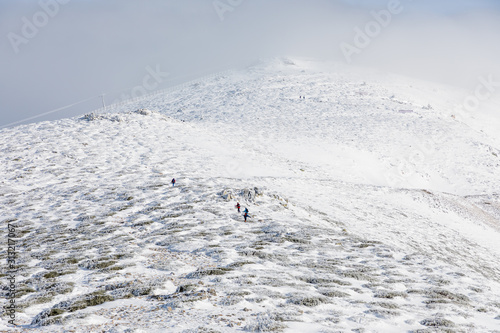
point(372, 209)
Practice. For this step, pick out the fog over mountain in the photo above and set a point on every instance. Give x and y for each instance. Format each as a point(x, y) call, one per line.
point(56, 53)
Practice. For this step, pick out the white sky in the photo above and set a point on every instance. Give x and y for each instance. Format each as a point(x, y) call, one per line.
point(85, 48)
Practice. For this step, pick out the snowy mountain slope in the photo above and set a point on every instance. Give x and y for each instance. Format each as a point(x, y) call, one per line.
point(107, 244)
point(353, 119)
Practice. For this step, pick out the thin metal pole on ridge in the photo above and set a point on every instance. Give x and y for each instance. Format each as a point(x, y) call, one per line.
point(105, 107)
point(164, 91)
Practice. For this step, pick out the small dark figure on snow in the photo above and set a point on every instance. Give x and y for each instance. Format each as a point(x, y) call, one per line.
point(245, 211)
point(173, 181)
point(238, 206)
point(245, 216)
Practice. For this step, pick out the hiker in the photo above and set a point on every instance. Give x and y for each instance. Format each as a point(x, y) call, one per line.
point(173, 181)
point(245, 216)
point(238, 206)
point(245, 211)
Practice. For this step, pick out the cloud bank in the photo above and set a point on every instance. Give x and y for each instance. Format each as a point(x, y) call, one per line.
point(58, 52)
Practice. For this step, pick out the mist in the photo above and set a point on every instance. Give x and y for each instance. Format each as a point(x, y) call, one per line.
point(80, 50)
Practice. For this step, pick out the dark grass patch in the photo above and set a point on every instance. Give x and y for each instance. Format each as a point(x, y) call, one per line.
point(54, 274)
point(116, 268)
point(122, 256)
point(142, 224)
point(334, 293)
point(240, 293)
point(93, 299)
point(105, 264)
point(208, 272)
point(435, 301)
point(325, 281)
point(230, 300)
point(385, 305)
point(383, 313)
point(455, 298)
point(42, 299)
point(265, 322)
point(441, 296)
point(280, 258)
point(186, 288)
point(390, 294)
point(296, 240)
point(308, 301)
point(39, 293)
point(238, 264)
point(72, 260)
point(21, 233)
point(124, 207)
point(97, 264)
point(24, 291)
point(171, 216)
point(437, 322)
point(53, 315)
point(55, 312)
point(476, 289)
point(357, 275)
point(127, 290)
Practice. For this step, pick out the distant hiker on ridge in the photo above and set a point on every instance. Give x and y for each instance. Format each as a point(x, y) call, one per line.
point(238, 206)
point(245, 216)
point(173, 181)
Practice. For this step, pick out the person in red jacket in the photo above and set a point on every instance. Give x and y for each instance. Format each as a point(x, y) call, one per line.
point(238, 206)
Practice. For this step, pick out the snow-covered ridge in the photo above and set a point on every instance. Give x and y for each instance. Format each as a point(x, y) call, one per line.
point(403, 129)
point(106, 243)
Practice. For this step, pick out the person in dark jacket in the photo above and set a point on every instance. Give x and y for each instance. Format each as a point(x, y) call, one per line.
point(245, 216)
point(238, 206)
point(173, 181)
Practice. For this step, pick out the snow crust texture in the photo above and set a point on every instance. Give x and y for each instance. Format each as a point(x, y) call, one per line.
point(348, 230)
